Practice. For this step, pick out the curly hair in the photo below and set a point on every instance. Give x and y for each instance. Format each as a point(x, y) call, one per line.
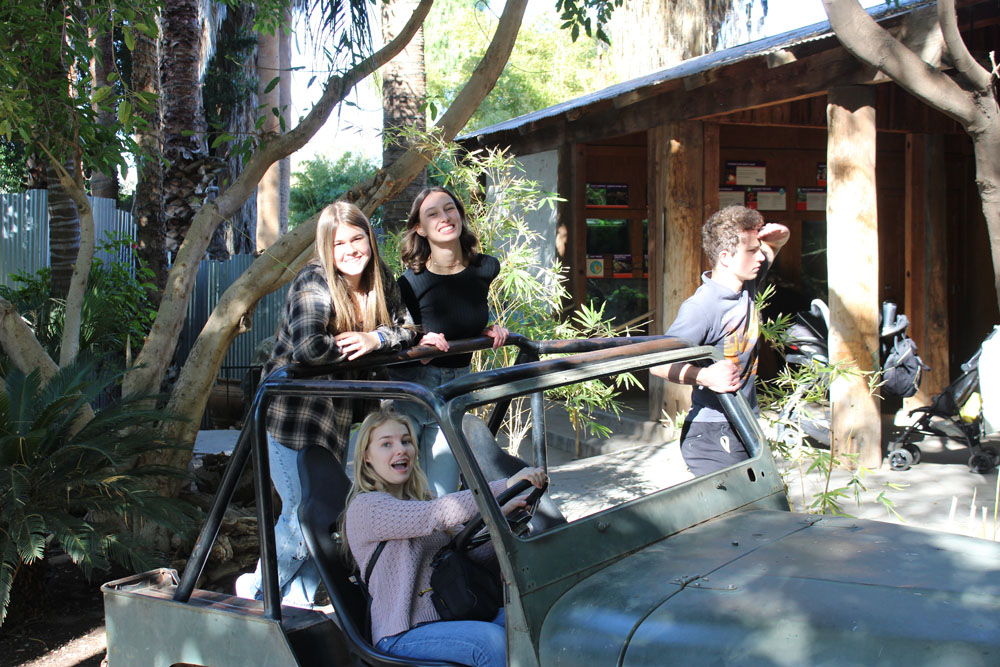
point(723, 228)
point(415, 250)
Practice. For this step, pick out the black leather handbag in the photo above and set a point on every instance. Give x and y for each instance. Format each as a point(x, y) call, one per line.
point(462, 589)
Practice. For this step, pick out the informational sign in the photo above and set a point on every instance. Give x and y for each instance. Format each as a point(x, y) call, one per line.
point(730, 195)
point(821, 173)
point(607, 194)
point(810, 199)
point(623, 266)
point(746, 172)
point(595, 266)
point(766, 198)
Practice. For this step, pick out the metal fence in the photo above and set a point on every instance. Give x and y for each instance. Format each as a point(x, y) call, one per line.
point(24, 231)
point(214, 277)
point(24, 246)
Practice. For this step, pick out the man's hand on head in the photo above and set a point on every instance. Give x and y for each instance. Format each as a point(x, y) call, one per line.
point(773, 234)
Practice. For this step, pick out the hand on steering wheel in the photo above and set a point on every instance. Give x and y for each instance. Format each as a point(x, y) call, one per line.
point(473, 535)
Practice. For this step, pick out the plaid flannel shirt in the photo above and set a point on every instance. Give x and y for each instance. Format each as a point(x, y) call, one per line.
point(305, 337)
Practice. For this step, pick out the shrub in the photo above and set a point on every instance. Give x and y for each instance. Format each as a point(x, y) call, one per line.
point(78, 484)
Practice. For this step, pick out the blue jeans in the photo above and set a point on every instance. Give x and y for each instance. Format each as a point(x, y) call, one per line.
point(298, 577)
point(474, 643)
point(436, 459)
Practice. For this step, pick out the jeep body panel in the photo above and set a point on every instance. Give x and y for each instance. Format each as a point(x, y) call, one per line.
point(779, 588)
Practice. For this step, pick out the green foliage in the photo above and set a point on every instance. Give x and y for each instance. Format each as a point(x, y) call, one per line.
point(79, 489)
point(589, 15)
point(116, 312)
point(13, 168)
point(48, 101)
point(321, 181)
point(546, 67)
point(528, 294)
point(800, 393)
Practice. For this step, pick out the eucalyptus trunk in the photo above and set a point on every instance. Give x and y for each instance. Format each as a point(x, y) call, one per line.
point(968, 93)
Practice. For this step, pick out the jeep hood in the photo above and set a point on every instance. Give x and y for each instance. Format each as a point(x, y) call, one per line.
point(778, 588)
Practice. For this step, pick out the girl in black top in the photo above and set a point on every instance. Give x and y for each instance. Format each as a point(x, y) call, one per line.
point(445, 288)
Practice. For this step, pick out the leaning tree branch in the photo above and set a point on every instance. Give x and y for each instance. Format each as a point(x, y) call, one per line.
point(962, 60)
point(151, 363)
point(278, 264)
point(69, 346)
point(867, 41)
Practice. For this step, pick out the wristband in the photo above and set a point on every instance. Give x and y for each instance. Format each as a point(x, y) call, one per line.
point(381, 339)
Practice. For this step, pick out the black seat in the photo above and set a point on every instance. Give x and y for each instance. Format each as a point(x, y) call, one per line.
point(496, 463)
point(324, 491)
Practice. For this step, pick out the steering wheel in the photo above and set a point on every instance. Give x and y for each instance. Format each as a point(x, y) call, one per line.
point(473, 535)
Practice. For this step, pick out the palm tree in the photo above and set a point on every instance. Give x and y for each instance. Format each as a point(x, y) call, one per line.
point(404, 89)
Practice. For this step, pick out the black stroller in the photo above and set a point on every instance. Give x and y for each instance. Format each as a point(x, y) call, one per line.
point(806, 344)
point(942, 418)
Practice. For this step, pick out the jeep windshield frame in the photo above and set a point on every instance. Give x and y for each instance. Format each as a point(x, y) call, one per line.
point(540, 567)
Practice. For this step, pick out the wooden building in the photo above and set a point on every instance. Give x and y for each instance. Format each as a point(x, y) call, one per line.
point(643, 163)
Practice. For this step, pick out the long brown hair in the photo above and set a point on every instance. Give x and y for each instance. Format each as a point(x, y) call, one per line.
point(367, 480)
point(346, 316)
point(415, 250)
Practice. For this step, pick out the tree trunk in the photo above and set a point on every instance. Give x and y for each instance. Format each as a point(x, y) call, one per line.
point(64, 233)
point(234, 60)
point(687, 28)
point(101, 184)
point(987, 150)
point(269, 189)
point(147, 204)
point(404, 89)
point(188, 171)
point(280, 263)
point(159, 347)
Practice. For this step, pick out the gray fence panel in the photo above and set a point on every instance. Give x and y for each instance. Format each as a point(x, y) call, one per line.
point(24, 233)
point(24, 246)
point(214, 277)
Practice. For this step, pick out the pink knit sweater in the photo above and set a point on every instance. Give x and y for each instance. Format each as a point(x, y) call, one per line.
point(414, 530)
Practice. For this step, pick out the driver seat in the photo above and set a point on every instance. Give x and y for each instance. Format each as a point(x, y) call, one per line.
point(324, 491)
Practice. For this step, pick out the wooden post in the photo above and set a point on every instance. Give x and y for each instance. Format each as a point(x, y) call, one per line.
point(852, 252)
point(679, 201)
point(927, 261)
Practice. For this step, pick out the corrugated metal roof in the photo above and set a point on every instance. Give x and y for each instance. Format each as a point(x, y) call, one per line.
point(707, 62)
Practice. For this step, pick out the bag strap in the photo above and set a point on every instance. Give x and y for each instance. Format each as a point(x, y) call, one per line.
point(371, 564)
point(753, 353)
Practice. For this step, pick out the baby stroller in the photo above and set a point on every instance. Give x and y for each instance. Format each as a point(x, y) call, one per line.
point(806, 344)
point(944, 418)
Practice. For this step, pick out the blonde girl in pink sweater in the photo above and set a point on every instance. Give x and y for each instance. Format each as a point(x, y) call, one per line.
point(390, 502)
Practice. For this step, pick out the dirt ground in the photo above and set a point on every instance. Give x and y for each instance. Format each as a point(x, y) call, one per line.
point(70, 630)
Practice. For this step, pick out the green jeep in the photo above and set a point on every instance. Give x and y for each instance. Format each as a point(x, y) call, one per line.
point(715, 570)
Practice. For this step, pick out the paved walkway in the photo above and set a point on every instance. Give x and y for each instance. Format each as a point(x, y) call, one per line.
point(939, 493)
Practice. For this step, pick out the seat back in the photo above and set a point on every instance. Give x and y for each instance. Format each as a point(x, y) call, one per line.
point(324, 491)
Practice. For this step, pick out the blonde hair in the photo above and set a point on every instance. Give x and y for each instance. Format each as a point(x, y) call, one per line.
point(366, 480)
point(346, 315)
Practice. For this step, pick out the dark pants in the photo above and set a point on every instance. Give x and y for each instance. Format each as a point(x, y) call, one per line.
point(710, 446)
